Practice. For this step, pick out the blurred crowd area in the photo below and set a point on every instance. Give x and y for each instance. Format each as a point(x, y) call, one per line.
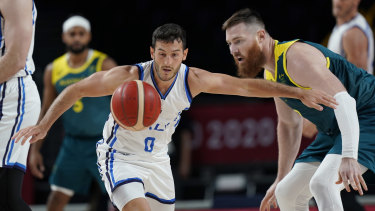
point(232, 139)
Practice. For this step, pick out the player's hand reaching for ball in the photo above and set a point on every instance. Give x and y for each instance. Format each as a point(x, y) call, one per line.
point(36, 133)
point(314, 98)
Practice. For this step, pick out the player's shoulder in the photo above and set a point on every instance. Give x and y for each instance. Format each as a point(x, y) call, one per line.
point(97, 53)
point(59, 61)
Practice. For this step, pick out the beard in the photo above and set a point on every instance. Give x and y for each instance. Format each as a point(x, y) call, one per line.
point(253, 64)
point(76, 49)
point(159, 72)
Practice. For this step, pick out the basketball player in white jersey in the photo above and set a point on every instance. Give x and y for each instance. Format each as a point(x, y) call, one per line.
point(134, 164)
point(19, 98)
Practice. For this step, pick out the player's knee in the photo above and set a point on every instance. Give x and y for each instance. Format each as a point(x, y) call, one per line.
point(284, 191)
point(318, 184)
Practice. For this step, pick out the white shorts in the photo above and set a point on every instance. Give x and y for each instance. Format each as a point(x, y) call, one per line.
point(127, 177)
point(19, 108)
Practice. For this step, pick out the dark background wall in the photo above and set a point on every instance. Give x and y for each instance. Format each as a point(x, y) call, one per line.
point(123, 29)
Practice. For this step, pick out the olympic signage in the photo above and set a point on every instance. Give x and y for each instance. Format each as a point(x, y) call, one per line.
point(235, 133)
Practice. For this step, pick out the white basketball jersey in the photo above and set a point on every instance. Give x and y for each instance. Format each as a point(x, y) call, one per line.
point(29, 67)
point(335, 40)
point(154, 140)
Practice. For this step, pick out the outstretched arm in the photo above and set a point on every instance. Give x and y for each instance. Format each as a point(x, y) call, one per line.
point(98, 84)
point(18, 35)
point(215, 83)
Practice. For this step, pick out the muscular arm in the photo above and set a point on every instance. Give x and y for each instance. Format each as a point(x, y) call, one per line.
point(307, 66)
point(215, 83)
point(289, 134)
point(98, 84)
point(18, 34)
point(355, 45)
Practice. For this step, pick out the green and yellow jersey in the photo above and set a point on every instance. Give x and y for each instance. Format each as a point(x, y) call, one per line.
point(359, 84)
point(86, 118)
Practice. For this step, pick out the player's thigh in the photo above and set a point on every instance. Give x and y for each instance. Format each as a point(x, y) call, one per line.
point(20, 107)
point(130, 195)
point(159, 187)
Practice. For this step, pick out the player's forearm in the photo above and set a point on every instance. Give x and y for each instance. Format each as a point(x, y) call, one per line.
point(264, 88)
point(347, 119)
point(288, 143)
point(10, 64)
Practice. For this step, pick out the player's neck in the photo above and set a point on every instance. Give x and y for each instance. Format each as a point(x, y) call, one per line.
point(349, 17)
point(77, 60)
point(269, 51)
point(163, 86)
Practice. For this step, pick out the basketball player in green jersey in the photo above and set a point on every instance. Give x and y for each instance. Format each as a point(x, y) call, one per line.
point(344, 147)
point(75, 166)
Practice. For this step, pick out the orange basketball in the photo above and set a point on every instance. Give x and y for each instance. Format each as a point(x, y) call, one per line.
point(135, 105)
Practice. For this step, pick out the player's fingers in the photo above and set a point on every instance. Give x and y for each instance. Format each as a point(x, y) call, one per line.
point(327, 101)
point(363, 183)
point(317, 106)
point(34, 139)
point(274, 203)
point(358, 184)
point(339, 180)
point(346, 183)
point(353, 183)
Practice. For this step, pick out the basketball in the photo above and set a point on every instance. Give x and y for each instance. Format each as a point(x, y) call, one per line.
point(135, 105)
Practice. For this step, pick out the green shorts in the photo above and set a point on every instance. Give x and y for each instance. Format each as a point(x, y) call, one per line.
point(332, 144)
point(75, 167)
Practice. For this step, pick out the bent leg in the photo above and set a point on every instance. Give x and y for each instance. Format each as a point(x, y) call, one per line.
point(292, 192)
point(323, 187)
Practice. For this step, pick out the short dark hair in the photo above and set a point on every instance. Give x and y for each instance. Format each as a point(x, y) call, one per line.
point(243, 16)
point(169, 33)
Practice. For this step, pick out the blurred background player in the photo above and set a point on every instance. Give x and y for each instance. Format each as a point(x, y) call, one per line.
point(353, 39)
point(75, 167)
point(19, 97)
point(180, 152)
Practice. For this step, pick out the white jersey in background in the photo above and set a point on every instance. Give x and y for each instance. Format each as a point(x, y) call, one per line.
point(335, 40)
point(29, 67)
point(141, 157)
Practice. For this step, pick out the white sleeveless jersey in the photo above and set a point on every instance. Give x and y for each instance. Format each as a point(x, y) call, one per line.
point(335, 40)
point(154, 140)
point(29, 67)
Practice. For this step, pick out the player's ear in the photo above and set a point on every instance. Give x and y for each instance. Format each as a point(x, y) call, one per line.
point(261, 35)
point(152, 52)
point(185, 52)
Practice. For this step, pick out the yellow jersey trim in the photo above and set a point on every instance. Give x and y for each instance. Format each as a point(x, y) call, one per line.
point(297, 112)
point(62, 65)
point(328, 62)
